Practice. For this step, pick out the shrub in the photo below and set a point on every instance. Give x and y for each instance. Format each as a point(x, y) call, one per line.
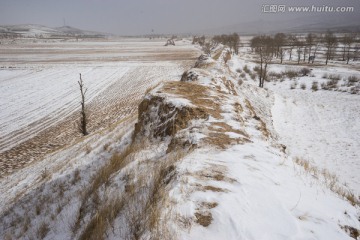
point(331, 84)
point(315, 86)
point(256, 69)
point(243, 75)
point(335, 77)
point(43, 230)
point(355, 90)
point(324, 86)
point(305, 71)
point(303, 86)
point(291, 74)
point(352, 80)
point(238, 70)
point(325, 76)
point(246, 69)
point(275, 76)
point(253, 76)
point(293, 85)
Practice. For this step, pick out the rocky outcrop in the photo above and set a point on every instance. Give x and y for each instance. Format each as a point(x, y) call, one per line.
point(159, 118)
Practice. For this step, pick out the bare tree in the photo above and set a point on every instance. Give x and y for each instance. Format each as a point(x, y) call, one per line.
point(356, 52)
point(83, 119)
point(232, 41)
point(347, 41)
point(207, 48)
point(292, 42)
point(199, 40)
point(330, 42)
point(310, 42)
point(279, 42)
point(281, 54)
point(235, 42)
point(299, 45)
point(264, 49)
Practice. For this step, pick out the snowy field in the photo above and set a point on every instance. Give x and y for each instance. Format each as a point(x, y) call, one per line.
point(226, 174)
point(39, 93)
point(320, 126)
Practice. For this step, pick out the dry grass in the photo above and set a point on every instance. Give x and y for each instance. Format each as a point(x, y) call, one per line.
point(76, 178)
point(250, 108)
point(262, 127)
point(151, 88)
point(330, 180)
point(227, 56)
point(351, 231)
point(221, 127)
point(291, 74)
point(45, 174)
point(140, 204)
point(209, 205)
point(90, 199)
point(222, 140)
point(42, 230)
point(204, 219)
point(99, 224)
point(217, 54)
point(212, 189)
point(238, 109)
point(315, 86)
point(246, 69)
point(214, 172)
point(88, 149)
point(197, 94)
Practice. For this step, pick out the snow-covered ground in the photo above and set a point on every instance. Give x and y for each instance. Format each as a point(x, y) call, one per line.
point(318, 126)
point(321, 127)
point(211, 157)
point(40, 96)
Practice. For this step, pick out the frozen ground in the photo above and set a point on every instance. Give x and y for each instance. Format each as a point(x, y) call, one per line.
point(206, 162)
point(321, 127)
point(39, 93)
point(318, 126)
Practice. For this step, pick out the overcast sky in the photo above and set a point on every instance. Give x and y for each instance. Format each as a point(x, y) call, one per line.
point(127, 17)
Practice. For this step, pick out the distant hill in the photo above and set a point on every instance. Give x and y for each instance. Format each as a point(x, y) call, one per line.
point(33, 30)
point(317, 23)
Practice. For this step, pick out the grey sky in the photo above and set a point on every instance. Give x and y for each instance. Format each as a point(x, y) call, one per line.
point(140, 16)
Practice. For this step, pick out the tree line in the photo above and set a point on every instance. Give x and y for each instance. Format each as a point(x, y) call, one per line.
point(307, 47)
point(232, 41)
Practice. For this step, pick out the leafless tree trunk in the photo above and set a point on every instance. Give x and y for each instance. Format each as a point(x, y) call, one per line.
point(281, 53)
point(207, 48)
point(315, 51)
point(265, 60)
point(356, 53)
point(299, 54)
point(330, 43)
point(348, 40)
point(292, 42)
point(83, 119)
point(310, 39)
